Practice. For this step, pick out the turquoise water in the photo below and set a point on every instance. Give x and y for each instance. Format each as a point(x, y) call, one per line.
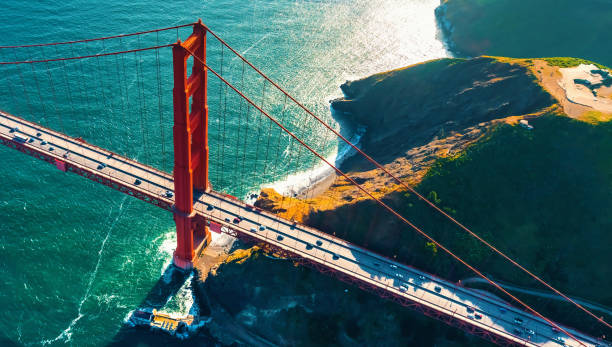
point(75, 257)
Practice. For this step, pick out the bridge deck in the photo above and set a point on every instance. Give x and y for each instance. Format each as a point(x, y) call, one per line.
point(491, 317)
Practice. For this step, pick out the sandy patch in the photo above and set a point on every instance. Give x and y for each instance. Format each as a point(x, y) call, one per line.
point(580, 93)
point(576, 99)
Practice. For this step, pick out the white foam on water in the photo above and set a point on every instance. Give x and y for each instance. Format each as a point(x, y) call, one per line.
point(183, 302)
point(126, 319)
point(66, 334)
point(299, 182)
point(165, 251)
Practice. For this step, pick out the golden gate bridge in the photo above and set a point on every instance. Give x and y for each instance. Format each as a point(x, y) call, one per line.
point(50, 88)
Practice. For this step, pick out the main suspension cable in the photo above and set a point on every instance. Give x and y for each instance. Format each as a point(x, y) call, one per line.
point(411, 189)
point(389, 209)
point(83, 56)
point(99, 38)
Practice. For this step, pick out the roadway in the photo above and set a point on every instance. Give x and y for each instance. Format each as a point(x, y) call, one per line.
point(463, 304)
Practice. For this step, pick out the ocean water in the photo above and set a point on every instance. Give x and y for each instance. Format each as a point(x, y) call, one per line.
point(76, 257)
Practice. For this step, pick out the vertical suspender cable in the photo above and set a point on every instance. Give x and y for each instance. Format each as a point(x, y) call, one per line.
point(74, 117)
point(140, 106)
point(10, 88)
point(55, 102)
point(219, 120)
point(104, 107)
point(127, 102)
point(244, 147)
point(223, 135)
point(266, 163)
point(256, 163)
point(279, 136)
point(122, 103)
point(83, 87)
point(238, 138)
point(25, 92)
point(160, 106)
point(42, 104)
point(143, 104)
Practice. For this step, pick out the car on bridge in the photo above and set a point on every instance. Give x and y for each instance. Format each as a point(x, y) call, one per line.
point(20, 138)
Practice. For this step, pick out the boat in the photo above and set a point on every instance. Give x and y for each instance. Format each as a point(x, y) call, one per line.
point(180, 327)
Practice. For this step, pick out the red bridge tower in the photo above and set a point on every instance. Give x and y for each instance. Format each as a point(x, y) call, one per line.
point(190, 133)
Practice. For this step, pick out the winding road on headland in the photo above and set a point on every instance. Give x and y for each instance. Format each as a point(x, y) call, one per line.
point(542, 294)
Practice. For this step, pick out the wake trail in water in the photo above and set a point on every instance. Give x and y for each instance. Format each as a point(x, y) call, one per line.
point(67, 333)
point(252, 46)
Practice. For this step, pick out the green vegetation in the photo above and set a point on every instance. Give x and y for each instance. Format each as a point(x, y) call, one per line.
point(571, 62)
point(527, 28)
point(543, 196)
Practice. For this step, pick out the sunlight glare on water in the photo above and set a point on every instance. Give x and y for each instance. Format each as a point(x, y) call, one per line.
point(75, 258)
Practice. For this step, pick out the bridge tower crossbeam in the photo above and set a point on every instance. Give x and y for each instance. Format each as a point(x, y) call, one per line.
point(190, 134)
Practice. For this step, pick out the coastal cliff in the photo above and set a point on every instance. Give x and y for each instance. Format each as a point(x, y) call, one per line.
point(409, 107)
